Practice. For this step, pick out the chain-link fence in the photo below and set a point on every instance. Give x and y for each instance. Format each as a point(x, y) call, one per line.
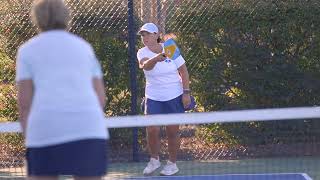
point(240, 54)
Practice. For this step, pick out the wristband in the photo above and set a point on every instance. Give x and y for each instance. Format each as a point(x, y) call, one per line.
point(186, 91)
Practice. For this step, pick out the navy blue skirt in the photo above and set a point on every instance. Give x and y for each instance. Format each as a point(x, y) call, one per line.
point(164, 107)
point(79, 158)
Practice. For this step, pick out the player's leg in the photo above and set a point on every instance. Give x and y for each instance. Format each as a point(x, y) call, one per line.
point(153, 138)
point(172, 131)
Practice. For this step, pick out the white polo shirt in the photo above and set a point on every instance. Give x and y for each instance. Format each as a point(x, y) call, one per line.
point(65, 106)
point(163, 82)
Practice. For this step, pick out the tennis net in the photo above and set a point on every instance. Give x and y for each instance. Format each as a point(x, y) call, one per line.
point(245, 144)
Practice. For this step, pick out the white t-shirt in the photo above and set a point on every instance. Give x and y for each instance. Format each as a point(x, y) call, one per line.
point(163, 82)
point(65, 106)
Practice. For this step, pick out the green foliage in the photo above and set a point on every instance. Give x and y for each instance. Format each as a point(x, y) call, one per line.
point(12, 141)
point(7, 69)
point(8, 104)
point(254, 55)
point(113, 56)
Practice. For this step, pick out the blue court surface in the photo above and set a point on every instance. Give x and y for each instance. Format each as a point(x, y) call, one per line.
point(281, 176)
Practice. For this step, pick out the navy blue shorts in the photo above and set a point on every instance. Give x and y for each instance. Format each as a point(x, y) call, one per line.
point(164, 107)
point(79, 158)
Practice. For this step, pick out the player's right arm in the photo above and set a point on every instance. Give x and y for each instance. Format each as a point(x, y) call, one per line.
point(148, 64)
point(25, 96)
point(100, 91)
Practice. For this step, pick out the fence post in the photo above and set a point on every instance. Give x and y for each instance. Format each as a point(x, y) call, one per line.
point(133, 76)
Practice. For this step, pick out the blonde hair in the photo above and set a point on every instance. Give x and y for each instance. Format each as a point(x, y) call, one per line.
point(50, 14)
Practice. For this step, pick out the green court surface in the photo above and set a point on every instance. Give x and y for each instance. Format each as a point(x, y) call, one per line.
point(309, 165)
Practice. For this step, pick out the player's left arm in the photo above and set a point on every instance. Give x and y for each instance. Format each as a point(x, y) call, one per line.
point(183, 71)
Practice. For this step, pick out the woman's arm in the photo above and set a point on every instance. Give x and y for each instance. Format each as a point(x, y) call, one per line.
point(25, 96)
point(183, 71)
point(148, 64)
point(100, 91)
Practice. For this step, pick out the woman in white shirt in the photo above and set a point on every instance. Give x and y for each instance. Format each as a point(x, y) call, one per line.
point(167, 91)
point(61, 99)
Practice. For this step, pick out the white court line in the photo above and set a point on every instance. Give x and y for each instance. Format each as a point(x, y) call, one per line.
point(304, 175)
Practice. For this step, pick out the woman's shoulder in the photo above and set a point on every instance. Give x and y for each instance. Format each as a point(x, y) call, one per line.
point(143, 49)
point(78, 39)
point(28, 45)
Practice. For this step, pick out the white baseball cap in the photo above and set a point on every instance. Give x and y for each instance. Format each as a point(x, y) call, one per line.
point(149, 27)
